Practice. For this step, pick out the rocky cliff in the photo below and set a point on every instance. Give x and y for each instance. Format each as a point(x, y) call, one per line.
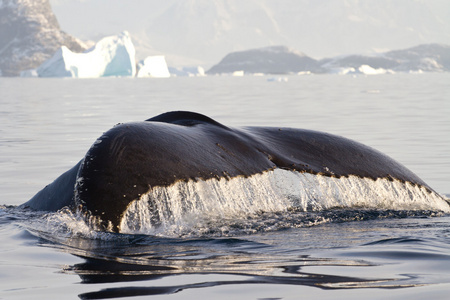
point(29, 35)
point(267, 60)
point(283, 60)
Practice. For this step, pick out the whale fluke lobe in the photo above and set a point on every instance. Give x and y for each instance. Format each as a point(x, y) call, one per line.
point(185, 118)
point(182, 150)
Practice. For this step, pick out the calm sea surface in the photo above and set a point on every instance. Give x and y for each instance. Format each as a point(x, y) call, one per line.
point(49, 124)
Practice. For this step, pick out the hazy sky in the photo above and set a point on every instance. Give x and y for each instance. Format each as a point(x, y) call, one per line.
point(204, 31)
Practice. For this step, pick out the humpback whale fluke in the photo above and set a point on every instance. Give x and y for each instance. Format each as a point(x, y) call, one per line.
point(132, 159)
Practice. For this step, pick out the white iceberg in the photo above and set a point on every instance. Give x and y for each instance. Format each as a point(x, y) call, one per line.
point(368, 70)
point(153, 66)
point(194, 71)
point(277, 79)
point(187, 71)
point(111, 56)
point(29, 73)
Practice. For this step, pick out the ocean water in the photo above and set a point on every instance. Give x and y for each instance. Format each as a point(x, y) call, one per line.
point(352, 252)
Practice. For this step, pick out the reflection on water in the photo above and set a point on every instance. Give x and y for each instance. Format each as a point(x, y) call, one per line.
point(355, 250)
point(150, 260)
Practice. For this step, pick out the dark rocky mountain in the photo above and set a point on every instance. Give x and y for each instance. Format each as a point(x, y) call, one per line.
point(201, 32)
point(428, 57)
point(355, 61)
point(282, 60)
point(268, 60)
point(29, 35)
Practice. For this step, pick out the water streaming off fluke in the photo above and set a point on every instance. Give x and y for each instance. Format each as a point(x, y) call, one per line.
point(187, 207)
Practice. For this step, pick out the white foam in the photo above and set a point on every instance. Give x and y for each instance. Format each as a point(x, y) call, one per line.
point(195, 204)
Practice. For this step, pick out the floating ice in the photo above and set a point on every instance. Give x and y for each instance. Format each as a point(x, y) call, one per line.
point(277, 79)
point(111, 56)
point(187, 71)
point(363, 69)
point(153, 66)
point(29, 73)
point(368, 70)
point(194, 71)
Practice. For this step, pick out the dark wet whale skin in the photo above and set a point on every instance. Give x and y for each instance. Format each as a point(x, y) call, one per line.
point(132, 158)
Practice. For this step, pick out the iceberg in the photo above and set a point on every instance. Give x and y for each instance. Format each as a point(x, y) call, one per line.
point(111, 56)
point(368, 70)
point(194, 71)
point(29, 73)
point(153, 66)
point(187, 71)
point(363, 69)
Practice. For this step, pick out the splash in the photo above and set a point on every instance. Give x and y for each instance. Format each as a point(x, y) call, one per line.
point(187, 207)
point(66, 224)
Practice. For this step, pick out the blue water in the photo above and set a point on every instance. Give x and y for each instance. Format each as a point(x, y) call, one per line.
point(48, 125)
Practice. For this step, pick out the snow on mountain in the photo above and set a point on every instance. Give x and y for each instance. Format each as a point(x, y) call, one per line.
point(426, 58)
point(204, 31)
point(200, 32)
point(429, 57)
point(111, 56)
point(29, 34)
point(282, 60)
